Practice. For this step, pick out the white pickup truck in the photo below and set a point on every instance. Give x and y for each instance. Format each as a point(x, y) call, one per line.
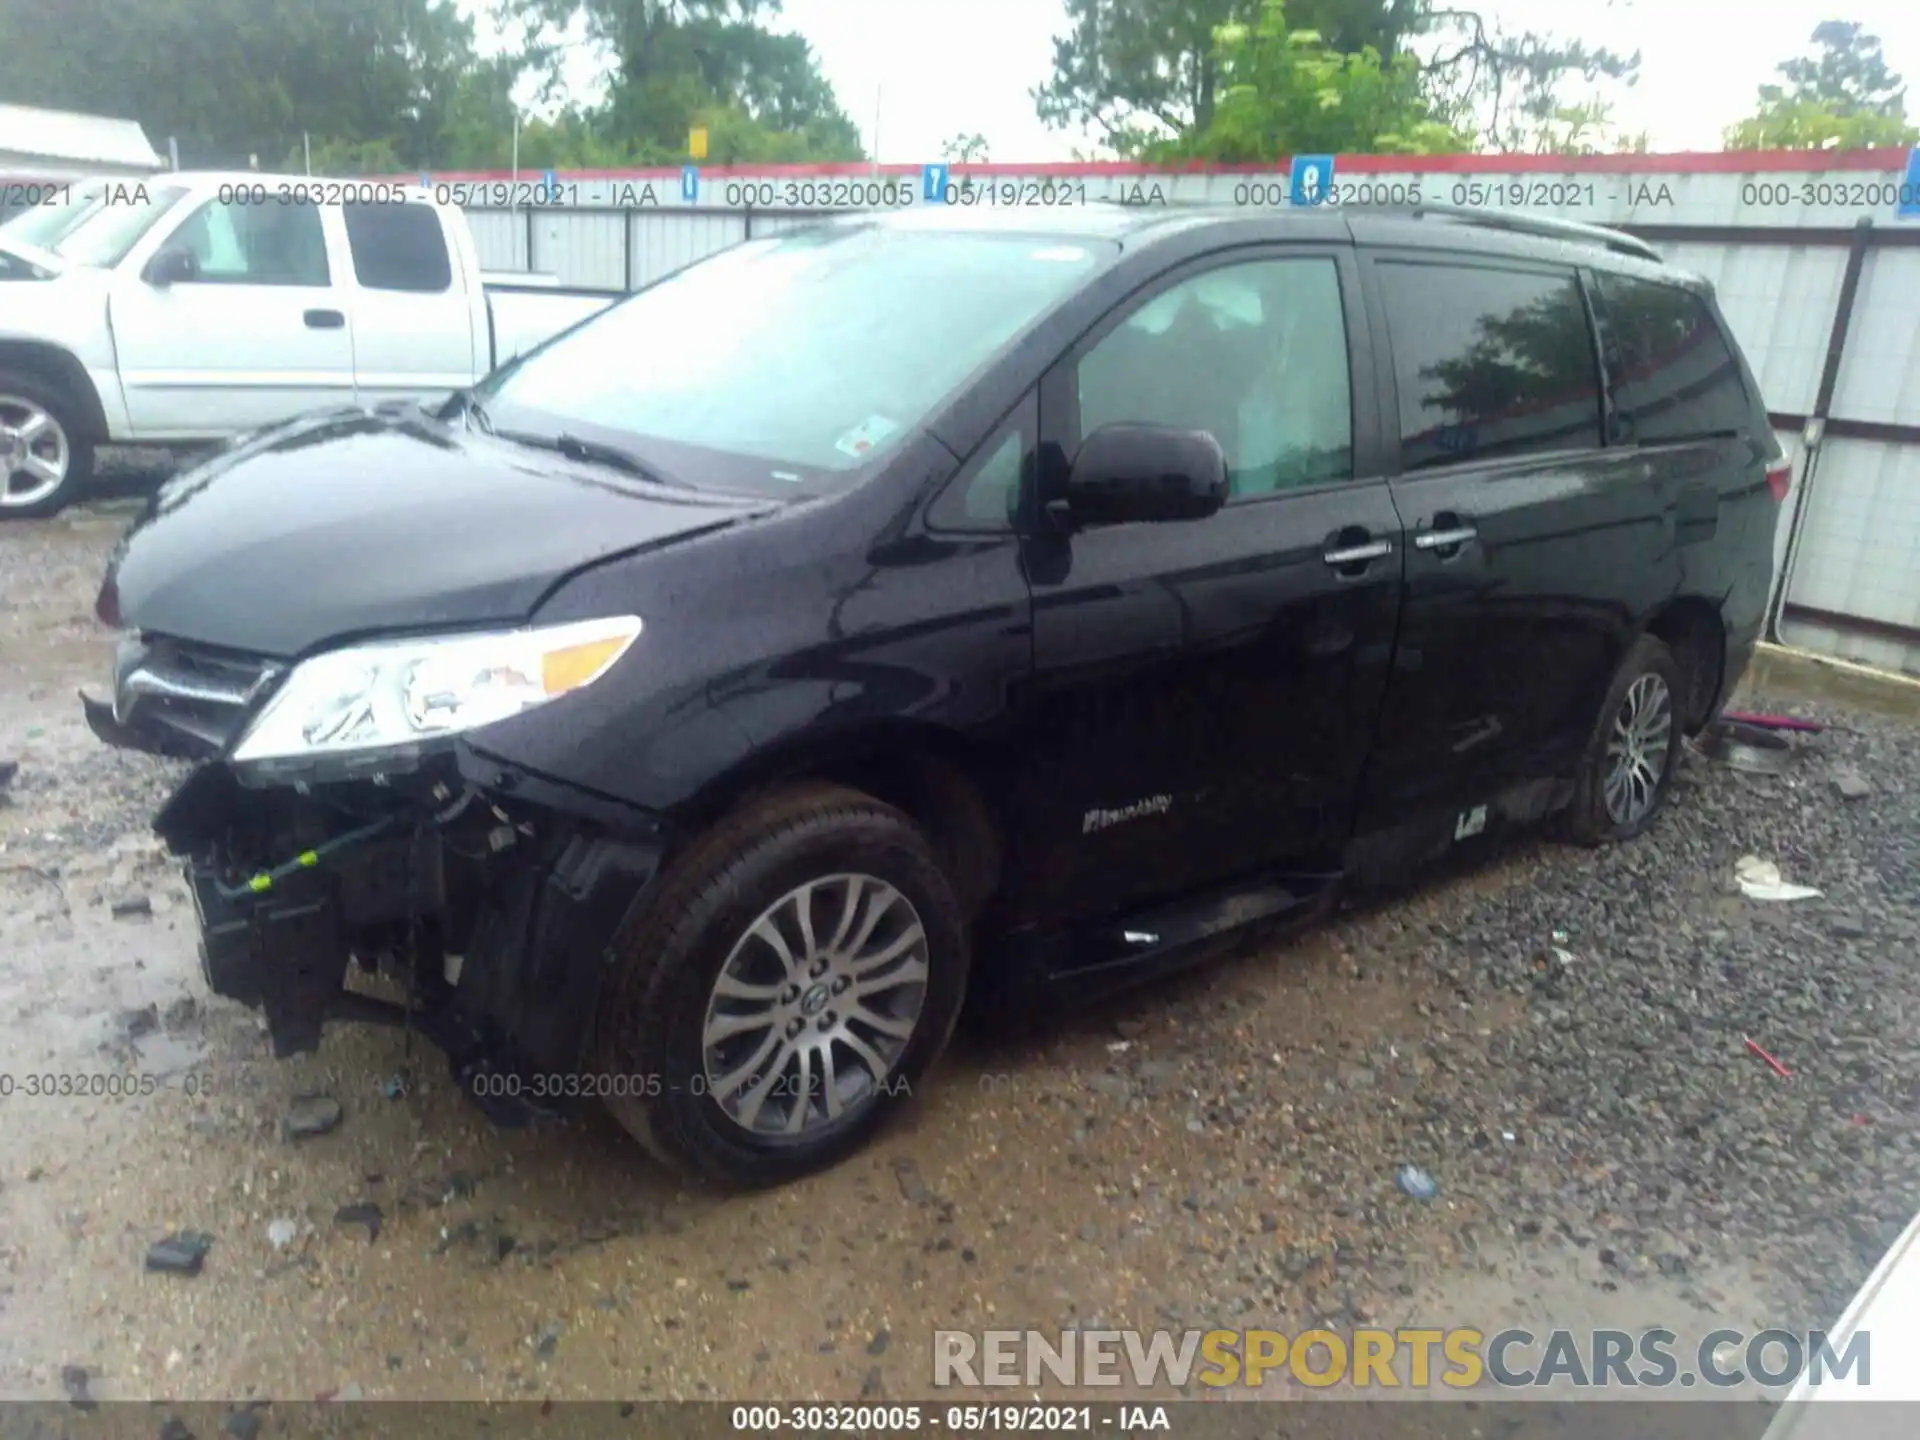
point(185, 308)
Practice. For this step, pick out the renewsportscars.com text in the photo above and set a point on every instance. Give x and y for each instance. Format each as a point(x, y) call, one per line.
point(1459, 1358)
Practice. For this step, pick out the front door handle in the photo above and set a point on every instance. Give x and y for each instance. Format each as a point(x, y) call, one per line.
point(1358, 554)
point(325, 320)
point(1444, 539)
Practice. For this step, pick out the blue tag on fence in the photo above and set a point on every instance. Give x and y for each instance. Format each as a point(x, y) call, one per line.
point(1312, 182)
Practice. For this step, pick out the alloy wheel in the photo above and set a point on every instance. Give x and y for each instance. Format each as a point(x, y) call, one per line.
point(34, 452)
point(814, 1006)
point(1637, 749)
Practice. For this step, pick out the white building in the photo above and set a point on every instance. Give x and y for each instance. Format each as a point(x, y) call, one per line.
point(38, 146)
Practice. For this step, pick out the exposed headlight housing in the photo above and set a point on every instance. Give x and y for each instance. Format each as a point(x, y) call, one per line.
point(397, 695)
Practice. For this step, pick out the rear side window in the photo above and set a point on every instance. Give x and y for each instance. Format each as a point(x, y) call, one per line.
point(1489, 363)
point(398, 247)
point(1674, 375)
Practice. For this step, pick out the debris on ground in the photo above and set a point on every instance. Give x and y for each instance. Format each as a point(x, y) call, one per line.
point(913, 1189)
point(1748, 748)
point(143, 1020)
point(281, 1232)
point(1772, 1064)
point(1774, 722)
point(74, 1380)
point(360, 1212)
point(128, 907)
point(396, 1085)
point(1851, 784)
point(180, 1253)
point(309, 1115)
point(1761, 880)
point(181, 1013)
point(1416, 1182)
point(8, 769)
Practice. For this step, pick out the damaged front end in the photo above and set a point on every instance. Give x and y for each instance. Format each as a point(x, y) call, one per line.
point(482, 899)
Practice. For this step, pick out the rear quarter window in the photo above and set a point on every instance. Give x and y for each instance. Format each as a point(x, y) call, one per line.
point(398, 247)
point(1490, 363)
point(1675, 376)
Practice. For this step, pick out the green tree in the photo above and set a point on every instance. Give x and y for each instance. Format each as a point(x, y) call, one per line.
point(229, 78)
point(1843, 96)
point(1284, 91)
point(673, 64)
point(965, 149)
point(1585, 129)
point(1140, 71)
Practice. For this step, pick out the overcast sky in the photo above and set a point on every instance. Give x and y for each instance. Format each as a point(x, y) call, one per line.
point(931, 69)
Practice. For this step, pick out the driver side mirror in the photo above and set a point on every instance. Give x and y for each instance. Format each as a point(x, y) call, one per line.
point(1146, 473)
point(170, 266)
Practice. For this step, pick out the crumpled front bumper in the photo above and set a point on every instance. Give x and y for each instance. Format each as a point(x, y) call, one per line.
point(530, 898)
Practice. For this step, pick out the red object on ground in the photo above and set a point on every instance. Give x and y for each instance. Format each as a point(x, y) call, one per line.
point(1774, 722)
point(1780, 480)
point(1778, 1068)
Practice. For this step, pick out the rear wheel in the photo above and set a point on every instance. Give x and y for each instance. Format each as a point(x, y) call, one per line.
point(44, 460)
point(1629, 763)
point(797, 974)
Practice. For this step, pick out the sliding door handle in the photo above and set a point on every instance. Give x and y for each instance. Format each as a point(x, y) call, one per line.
point(1359, 554)
point(1444, 539)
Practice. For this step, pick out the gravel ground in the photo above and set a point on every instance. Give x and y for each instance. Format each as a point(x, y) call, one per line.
point(1558, 1037)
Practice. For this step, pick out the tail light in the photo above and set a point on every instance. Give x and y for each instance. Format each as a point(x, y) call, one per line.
point(1780, 479)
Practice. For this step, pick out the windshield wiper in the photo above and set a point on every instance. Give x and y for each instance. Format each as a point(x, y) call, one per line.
point(574, 448)
point(594, 452)
point(469, 407)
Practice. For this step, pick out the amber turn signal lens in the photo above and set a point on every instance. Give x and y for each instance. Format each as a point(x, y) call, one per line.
point(574, 666)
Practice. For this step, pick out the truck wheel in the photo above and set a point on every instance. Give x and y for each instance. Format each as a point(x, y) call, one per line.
point(1628, 767)
point(795, 977)
point(45, 462)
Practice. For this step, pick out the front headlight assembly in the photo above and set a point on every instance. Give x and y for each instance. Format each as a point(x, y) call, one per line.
point(398, 695)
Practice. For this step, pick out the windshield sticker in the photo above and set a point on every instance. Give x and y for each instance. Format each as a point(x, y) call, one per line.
point(860, 441)
point(1068, 253)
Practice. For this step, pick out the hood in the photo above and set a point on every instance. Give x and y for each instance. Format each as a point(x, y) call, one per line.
point(351, 523)
point(43, 260)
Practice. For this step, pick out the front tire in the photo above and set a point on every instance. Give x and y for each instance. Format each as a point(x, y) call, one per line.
point(795, 977)
point(45, 459)
point(1628, 767)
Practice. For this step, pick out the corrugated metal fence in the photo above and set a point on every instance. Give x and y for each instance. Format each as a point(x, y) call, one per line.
point(1816, 257)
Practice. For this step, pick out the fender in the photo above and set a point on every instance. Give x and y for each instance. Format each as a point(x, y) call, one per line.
point(60, 328)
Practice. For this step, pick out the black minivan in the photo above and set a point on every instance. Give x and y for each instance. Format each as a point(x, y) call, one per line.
point(931, 607)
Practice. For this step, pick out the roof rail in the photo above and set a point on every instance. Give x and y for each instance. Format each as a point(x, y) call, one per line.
point(1549, 227)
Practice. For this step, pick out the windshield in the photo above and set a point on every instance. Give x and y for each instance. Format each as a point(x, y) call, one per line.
point(105, 235)
point(817, 349)
point(42, 225)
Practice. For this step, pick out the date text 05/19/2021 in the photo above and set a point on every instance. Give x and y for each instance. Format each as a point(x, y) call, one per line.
point(1028, 1419)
